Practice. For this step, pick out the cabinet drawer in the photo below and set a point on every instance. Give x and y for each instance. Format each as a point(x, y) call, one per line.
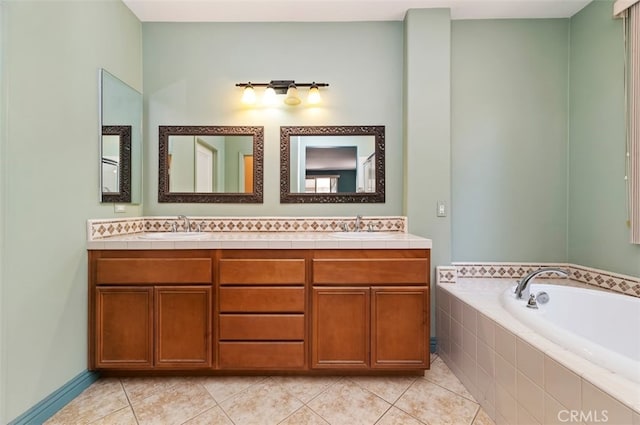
point(262, 272)
point(153, 270)
point(261, 327)
point(262, 355)
point(261, 300)
point(383, 271)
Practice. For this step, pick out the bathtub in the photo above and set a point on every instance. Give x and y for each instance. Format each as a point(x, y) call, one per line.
point(529, 366)
point(602, 327)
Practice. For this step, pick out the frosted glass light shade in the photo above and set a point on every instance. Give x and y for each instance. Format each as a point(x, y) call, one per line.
point(314, 96)
point(248, 96)
point(292, 98)
point(269, 97)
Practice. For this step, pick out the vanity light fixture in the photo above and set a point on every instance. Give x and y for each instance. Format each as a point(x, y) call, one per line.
point(248, 95)
point(292, 98)
point(275, 87)
point(314, 95)
point(269, 97)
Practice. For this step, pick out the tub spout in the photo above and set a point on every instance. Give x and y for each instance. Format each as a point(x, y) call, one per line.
point(522, 290)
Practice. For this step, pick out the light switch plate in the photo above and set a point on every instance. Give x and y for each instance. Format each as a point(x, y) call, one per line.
point(119, 208)
point(442, 209)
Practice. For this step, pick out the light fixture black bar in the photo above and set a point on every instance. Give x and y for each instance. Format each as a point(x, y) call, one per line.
point(281, 83)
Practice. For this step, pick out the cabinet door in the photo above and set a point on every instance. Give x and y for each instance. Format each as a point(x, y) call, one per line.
point(124, 327)
point(340, 328)
point(400, 327)
point(183, 327)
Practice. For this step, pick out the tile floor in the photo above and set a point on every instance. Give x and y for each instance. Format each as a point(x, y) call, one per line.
point(438, 398)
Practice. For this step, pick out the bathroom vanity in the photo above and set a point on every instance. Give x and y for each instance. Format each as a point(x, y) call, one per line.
point(310, 311)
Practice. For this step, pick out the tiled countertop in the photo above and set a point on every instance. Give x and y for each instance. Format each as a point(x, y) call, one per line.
point(267, 240)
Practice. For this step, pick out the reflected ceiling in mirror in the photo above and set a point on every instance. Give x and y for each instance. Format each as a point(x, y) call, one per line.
point(210, 164)
point(332, 164)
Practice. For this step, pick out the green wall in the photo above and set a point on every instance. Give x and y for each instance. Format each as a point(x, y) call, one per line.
point(509, 139)
point(427, 123)
point(598, 234)
point(51, 53)
point(537, 141)
point(190, 72)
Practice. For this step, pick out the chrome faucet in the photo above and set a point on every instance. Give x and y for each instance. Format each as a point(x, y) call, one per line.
point(358, 219)
point(186, 224)
point(523, 288)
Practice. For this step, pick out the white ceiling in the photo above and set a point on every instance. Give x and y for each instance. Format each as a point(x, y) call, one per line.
point(342, 10)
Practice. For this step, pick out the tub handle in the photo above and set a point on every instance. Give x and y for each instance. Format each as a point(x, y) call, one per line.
point(542, 297)
point(532, 302)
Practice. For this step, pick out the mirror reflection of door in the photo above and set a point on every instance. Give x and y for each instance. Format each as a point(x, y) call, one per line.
point(110, 163)
point(110, 174)
point(248, 173)
point(205, 162)
point(369, 173)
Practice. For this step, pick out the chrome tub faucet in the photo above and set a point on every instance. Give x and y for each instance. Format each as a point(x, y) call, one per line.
point(523, 288)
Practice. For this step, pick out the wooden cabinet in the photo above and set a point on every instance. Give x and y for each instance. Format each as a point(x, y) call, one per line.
point(182, 326)
point(123, 327)
point(378, 316)
point(400, 327)
point(262, 321)
point(377, 327)
point(341, 318)
point(282, 310)
point(150, 310)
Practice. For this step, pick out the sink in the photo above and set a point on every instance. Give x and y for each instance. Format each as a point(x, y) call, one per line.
point(362, 235)
point(170, 236)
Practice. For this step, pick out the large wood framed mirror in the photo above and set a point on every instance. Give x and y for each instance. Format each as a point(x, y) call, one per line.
point(211, 164)
point(332, 164)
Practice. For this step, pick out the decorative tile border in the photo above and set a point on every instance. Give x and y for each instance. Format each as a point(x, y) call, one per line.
point(616, 282)
point(100, 229)
point(446, 274)
point(612, 281)
point(503, 270)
